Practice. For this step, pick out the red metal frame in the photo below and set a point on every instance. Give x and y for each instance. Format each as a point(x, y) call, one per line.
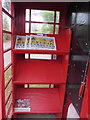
point(85, 111)
point(2, 97)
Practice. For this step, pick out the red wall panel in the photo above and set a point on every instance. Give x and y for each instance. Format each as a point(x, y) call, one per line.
point(20, 12)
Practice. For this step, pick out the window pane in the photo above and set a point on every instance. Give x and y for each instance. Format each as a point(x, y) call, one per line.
point(10, 114)
point(7, 74)
point(7, 58)
point(8, 89)
point(41, 56)
point(57, 29)
point(8, 103)
point(42, 16)
point(27, 14)
point(27, 28)
point(6, 4)
point(6, 41)
point(39, 86)
point(6, 22)
point(42, 28)
point(57, 17)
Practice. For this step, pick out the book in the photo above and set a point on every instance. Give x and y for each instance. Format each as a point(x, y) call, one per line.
point(20, 42)
point(35, 42)
point(22, 105)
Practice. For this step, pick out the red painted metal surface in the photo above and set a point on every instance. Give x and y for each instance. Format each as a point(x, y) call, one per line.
point(43, 100)
point(43, 72)
point(20, 13)
point(85, 111)
point(40, 72)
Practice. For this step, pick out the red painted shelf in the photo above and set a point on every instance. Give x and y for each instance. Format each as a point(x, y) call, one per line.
point(40, 72)
point(62, 45)
point(46, 100)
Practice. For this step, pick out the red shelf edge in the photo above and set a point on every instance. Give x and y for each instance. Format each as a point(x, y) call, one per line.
point(38, 112)
point(40, 51)
point(20, 83)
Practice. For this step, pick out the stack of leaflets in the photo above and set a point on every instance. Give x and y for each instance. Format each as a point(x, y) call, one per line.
point(20, 42)
point(35, 42)
point(22, 105)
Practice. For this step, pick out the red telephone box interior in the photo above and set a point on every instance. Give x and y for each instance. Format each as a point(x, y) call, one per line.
point(29, 71)
point(47, 72)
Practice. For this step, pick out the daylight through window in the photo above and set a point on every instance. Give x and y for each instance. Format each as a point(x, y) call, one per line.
point(42, 21)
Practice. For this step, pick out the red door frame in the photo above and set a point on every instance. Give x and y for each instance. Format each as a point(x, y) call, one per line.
point(2, 97)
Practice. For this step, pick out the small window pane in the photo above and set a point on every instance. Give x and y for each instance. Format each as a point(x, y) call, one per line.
point(8, 89)
point(27, 27)
point(7, 58)
point(39, 86)
point(42, 28)
point(6, 41)
point(6, 4)
point(26, 56)
point(10, 114)
point(27, 14)
point(41, 56)
point(42, 16)
point(6, 22)
point(7, 74)
point(8, 104)
point(57, 17)
point(56, 29)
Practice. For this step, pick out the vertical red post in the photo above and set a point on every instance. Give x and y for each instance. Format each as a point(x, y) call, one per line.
point(85, 110)
point(2, 98)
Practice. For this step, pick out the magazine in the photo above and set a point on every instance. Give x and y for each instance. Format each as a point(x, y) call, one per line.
point(35, 42)
point(22, 105)
point(20, 42)
point(42, 42)
point(28, 39)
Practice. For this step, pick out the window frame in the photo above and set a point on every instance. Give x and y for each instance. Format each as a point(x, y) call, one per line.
point(51, 23)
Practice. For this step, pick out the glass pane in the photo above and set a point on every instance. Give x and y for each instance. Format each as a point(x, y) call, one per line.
point(41, 56)
point(8, 89)
point(6, 41)
point(57, 29)
point(27, 14)
point(8, 103)
point(42, 28)
point(6, 22)
point(27, 28)
point(10, 114)
point(7, 58)
point(57, 17)
point(39, 86)
point(6, 4)
point(7, 74)
point(42, 16)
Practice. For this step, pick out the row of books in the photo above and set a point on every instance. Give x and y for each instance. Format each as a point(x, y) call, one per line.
point(35, 42)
